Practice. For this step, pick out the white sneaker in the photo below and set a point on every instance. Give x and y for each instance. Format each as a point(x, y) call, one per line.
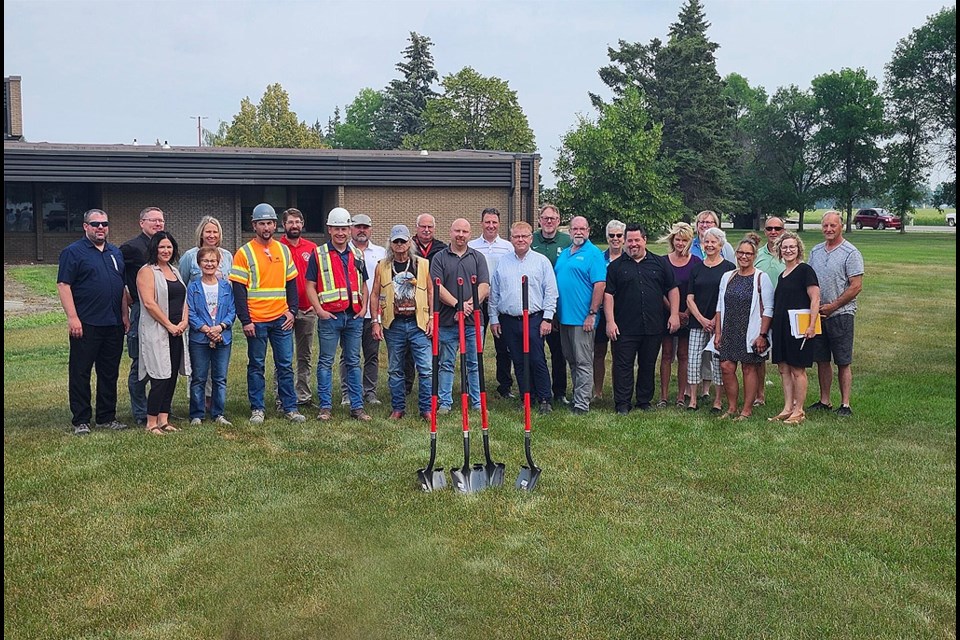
point(222, 421)
point(345, 402)
point(295, 416)
point(256, 416)
point(196, 422)
point(372, 399)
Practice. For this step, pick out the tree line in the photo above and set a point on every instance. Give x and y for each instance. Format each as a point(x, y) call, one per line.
point(676, 137)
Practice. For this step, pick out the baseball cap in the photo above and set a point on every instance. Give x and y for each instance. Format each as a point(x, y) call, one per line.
point(399, 232)
point(362, 218)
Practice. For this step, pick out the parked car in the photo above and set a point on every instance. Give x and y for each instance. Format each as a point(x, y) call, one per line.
point(951, 219)
point(876, 219)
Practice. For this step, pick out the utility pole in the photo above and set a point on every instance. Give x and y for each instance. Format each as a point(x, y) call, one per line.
point(199, 129)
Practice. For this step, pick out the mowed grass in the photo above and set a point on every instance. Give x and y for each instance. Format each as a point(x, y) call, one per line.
point(670, 525)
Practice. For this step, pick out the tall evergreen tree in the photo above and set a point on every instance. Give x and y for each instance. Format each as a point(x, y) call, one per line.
point(684, 92)
point(405, 98)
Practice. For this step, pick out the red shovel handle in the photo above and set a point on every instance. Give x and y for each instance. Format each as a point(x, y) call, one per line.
point(464, 392)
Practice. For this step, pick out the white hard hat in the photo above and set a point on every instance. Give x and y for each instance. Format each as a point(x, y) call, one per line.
point(339, 217)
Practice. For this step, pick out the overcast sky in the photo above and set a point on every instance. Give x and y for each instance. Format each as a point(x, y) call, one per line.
point(109, 72)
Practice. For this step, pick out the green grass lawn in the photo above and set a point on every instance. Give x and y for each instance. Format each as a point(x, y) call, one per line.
point(670, 525)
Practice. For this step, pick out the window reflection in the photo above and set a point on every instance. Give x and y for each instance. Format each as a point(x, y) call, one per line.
point(62, 206)
point(19, 207)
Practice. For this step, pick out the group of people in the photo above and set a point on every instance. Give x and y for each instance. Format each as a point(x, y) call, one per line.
point(704, 303)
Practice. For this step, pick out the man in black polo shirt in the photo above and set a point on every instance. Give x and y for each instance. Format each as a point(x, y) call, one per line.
point(90, 282)
point(458, 261)
point(135, 256)
point(638, 282)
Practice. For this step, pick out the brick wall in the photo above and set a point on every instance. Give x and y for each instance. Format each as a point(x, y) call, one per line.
point(15, 104)
point(184, 205)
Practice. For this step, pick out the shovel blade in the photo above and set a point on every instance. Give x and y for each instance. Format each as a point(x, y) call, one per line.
point(479, 476)
point(528, 477)
point(495, 473)
point(463, 481)
point(433, 480)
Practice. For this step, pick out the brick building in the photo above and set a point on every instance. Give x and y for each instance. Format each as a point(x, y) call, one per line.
point(47, 187)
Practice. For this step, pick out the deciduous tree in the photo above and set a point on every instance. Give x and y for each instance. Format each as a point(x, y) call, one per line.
point(611, 168)
point(474, 112)
point(271, 124)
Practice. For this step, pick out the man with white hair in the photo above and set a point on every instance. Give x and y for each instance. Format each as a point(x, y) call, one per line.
point(581, 280)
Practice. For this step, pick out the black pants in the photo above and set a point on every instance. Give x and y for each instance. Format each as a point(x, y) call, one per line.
point(629, 349)
point(161, 391)
point(512, 328)
point(100, 348)
point(504, 379)
point(558, 365)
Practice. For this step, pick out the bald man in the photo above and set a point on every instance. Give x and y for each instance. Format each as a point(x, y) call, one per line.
point(455, 261)
point(839, 268)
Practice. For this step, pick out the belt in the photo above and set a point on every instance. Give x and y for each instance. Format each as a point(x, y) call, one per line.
point(532, 313)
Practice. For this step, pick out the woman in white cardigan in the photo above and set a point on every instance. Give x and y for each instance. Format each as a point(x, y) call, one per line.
point(744, 313)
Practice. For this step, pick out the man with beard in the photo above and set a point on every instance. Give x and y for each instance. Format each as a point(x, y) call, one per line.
point(305, 323)
point(264, 279)
point(90, 283)
point(581, 278)
point(637, 284)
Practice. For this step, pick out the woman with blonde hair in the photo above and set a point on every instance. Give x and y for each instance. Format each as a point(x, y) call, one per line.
point(797, 288)
point(209, 233)
point(675, 345)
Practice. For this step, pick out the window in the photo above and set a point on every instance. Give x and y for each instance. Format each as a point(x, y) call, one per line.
point(19, 207)
point(63, 204)
point(309, 199)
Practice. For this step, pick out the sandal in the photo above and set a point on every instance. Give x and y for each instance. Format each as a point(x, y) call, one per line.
point(740, 418)
point(168, 428)
point(681, 404)
point(783, 415)
point(662, 404)
point(796, 418)
point(729, 416)
point(156, 430)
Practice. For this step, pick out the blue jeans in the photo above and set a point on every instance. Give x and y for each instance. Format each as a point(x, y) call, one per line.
point(402, 337)
point(136, 387)
point(213, 364)
point(449, 347)
point(344, 329)
point(281, 341)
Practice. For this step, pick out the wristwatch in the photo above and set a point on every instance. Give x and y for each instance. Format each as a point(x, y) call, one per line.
point(764, 336)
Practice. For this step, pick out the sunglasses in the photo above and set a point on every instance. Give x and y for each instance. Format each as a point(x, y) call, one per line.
point(614, 235)
point(774, 228)
point(99, 223)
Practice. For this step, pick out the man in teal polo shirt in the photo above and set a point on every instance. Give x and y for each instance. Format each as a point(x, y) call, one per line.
point(550, 242)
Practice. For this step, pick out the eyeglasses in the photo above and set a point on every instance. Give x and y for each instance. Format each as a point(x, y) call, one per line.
point(209, 261)
point(614, 235)
point(703, 222)
point(774, 228)
point(98, 223)
point(745, 254)
point(153, 220)
point(400, 241)
point(550, 218)
point(521, 236)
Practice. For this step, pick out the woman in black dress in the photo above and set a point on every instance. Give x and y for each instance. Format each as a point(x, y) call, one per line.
point(798, 288)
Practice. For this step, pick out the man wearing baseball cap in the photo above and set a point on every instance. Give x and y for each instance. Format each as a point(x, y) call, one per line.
point(400, 304)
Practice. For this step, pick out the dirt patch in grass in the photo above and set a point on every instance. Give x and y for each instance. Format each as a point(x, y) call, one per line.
point(19, 300)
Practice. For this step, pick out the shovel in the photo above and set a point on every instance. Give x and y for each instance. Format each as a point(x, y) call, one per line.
point(432, 478)
point(529, 473)
point(494, 470)
point(465, 479)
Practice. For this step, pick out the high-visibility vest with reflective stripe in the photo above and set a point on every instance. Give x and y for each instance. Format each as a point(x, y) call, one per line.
point(265, 271)
point(332, 281)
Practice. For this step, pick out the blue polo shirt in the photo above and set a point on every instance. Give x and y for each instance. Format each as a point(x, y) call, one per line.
point(576, 275)
point(96, 281)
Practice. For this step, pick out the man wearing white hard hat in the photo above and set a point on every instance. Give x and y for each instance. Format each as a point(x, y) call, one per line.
point(370, 348)
point(336, 275)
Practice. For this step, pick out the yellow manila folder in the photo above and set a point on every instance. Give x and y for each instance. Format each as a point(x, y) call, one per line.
point(800, 320)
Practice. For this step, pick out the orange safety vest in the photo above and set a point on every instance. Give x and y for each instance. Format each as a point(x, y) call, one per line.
point(332, 281)
point(265, 272)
